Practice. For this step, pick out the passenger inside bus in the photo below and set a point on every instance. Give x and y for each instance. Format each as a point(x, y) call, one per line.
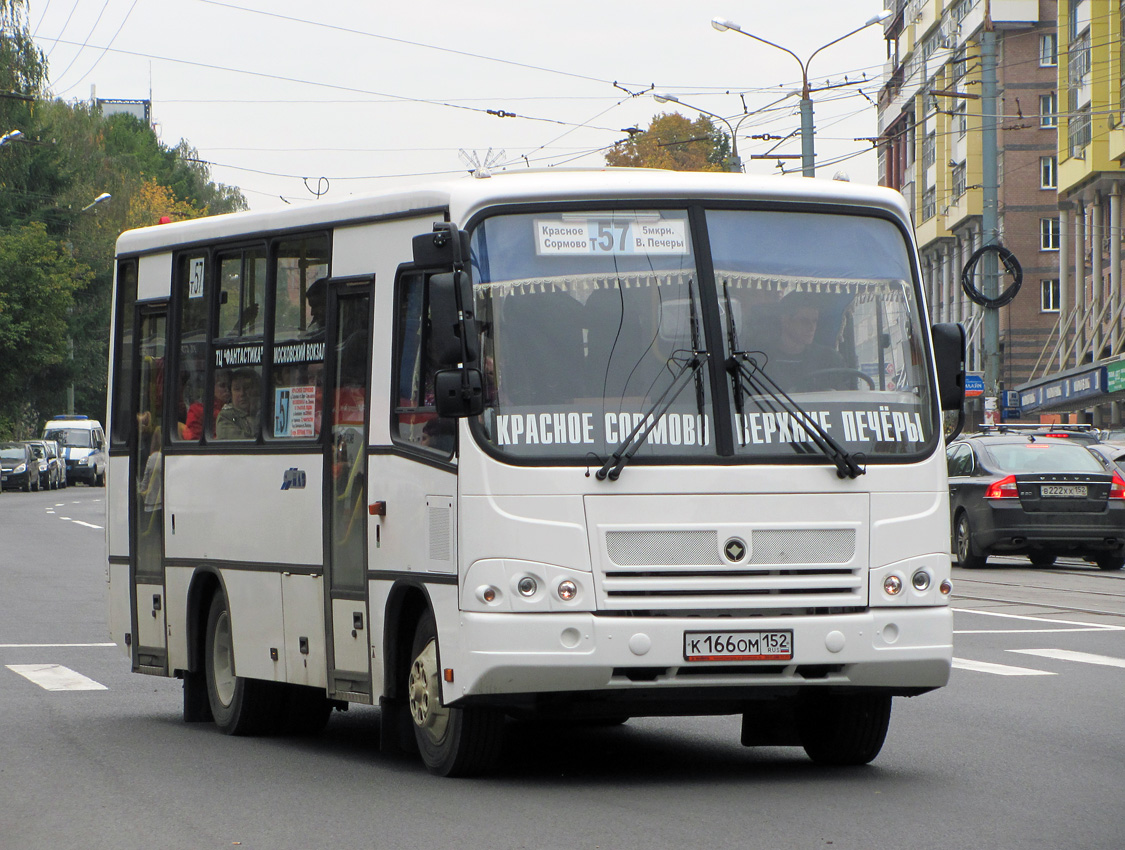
point(238, 420)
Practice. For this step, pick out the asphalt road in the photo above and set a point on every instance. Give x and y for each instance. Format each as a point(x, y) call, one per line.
point(1025, 748)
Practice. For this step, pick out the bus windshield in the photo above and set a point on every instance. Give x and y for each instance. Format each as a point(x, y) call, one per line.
point(593, 324)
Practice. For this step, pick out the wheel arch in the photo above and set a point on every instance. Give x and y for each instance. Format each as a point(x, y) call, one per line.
point(206, 582)
point(407, 602)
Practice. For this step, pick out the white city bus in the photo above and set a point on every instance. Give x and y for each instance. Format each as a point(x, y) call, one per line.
point(577, 445)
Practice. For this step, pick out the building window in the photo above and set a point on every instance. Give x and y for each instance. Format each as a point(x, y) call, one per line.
point(960, 63)
point(1048, 172)
point(961, 120)
point(1080, 59)
point(1048, 234)
point(1048, 50)
point(929, 204)
point(1049, 296)
point(958, 180)
point(1049, 110)
point(929, 150)
point(1080, 133)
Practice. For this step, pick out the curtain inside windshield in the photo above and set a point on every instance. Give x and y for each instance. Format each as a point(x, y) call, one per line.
point(819, 310)
point(587, 319)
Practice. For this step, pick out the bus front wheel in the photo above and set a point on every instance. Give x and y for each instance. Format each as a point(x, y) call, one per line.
point(451, 741)
point(239, 706)
point(843, 729)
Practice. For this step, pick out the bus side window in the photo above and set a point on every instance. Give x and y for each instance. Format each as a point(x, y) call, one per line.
point(296, 400)
point(416, 420)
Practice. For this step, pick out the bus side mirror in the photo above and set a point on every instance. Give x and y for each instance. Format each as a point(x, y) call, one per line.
point(445, 248)
point(949, 357)
point(448, 323)
point(459, 392)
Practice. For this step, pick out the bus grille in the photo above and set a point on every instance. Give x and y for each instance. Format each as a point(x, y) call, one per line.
point(792, 570)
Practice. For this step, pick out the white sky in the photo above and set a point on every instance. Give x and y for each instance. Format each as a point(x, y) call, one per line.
point(273, 91)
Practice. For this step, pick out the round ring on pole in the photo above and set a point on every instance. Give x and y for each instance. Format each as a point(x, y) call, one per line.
point(1011, 266)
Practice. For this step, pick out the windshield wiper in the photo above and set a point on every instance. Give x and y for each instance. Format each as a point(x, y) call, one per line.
point(636, 438)
point(750, 373)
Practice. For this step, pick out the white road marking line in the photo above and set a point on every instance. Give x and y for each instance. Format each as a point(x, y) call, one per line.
point(997, 669)
point(65, 517)
point(1070, 655)
point(1092, 626)
point(87, 524)
point(55, 677)
point(52, 645)
point(1021, 631)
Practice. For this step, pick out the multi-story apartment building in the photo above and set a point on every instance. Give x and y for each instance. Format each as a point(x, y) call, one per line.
point(1091, 179)
point(930, 119)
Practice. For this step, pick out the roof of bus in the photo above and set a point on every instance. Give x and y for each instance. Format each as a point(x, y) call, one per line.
point(466, 196)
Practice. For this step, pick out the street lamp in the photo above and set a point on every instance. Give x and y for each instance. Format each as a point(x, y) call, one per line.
point(10, 137)
point(734, 163)
point(808, 167)
point(104, 196)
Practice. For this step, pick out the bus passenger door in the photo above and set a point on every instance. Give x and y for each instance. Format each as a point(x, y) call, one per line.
point(346, 393)
point(146, 504)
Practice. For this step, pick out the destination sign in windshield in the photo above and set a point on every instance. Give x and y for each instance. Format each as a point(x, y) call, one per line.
point(610, 236)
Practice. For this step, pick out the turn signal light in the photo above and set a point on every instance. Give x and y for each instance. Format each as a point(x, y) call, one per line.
point(1117, 487)
point(1005, 488)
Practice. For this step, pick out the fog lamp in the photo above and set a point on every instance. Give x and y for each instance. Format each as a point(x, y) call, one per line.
point(892, 585)
point(920, 580)
point(567, 590)
point(527, 586)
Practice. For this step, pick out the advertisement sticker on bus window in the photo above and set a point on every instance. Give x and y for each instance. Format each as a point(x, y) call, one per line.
point(195, 278)
point(295, 412)
point(611, 236)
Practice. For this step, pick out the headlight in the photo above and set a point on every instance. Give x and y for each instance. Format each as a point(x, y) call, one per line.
point(83, 461)
point(21, 468)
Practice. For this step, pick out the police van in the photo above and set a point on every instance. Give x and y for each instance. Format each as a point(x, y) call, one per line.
point(82, 443)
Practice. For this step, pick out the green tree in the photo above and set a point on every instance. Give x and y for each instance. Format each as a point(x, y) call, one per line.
point(38, 282)
point(68, 155)
point(676, 143)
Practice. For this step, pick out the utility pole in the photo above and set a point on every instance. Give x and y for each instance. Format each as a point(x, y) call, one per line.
point(990, 219)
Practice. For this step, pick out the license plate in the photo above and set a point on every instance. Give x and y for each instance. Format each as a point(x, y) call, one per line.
point(738, 646)
point(1071, 491)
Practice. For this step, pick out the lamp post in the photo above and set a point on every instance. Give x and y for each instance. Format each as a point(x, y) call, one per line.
point(734, 163)
point(104, 196)
point(808, 157)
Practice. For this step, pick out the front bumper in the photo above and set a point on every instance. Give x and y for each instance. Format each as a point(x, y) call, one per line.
point(903, 650)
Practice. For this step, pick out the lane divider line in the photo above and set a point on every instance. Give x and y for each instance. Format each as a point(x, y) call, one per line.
point(997, 669)
point(1071, 655)
point(55, 677)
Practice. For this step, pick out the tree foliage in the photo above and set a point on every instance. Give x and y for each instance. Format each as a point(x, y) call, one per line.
point(49, 236)
point(676, 143)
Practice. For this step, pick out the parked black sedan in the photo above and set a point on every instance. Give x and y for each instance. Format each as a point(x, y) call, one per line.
point(19, 468)
point(1034, 496)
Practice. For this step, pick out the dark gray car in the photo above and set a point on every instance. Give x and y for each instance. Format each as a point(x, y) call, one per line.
point(1034, 496)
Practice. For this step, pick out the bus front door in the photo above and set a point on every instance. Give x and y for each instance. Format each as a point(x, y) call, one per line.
point(146, 505)
point(346, 393)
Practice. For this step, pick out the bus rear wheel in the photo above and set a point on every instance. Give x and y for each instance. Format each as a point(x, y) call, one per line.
point(451, 741)
point(843, 729)
point(239, 706)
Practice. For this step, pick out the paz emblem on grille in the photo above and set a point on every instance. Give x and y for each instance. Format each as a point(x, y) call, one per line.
point(734, 549)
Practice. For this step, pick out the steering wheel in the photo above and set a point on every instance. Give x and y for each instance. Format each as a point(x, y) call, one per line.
point(842, 370)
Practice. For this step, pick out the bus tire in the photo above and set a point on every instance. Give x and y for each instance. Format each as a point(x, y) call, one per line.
point(451, 741)
point(239, 706)
point(843, 729)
